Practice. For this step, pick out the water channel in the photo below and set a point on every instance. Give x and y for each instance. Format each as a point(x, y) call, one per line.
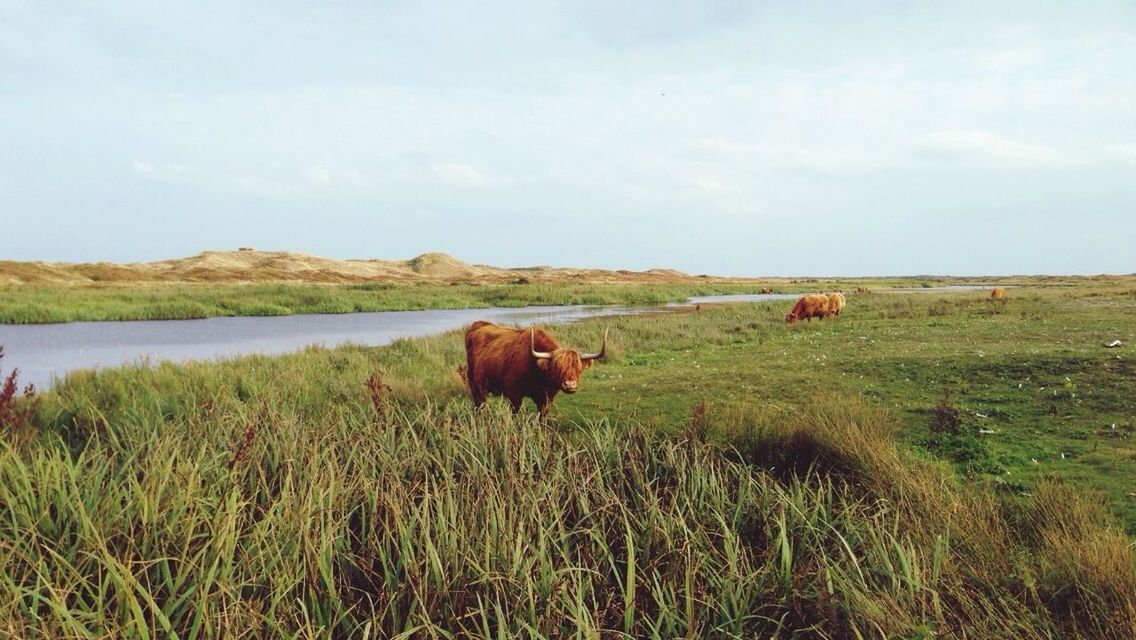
point(45, 352)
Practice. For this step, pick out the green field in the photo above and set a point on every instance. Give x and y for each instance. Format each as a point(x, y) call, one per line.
point(723, 474)
point(38, 304)
point(1034, 372)
point(45, 303)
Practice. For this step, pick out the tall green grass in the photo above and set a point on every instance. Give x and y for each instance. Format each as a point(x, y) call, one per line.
point(286, 497)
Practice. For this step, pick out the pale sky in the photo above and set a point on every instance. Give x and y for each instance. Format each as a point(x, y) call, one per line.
point(741, 138)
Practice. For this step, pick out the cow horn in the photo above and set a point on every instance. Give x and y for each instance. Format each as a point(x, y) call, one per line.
point(532, 342)
point(603, 349)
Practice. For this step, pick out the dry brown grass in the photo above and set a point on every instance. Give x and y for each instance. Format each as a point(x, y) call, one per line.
point(1058, 552)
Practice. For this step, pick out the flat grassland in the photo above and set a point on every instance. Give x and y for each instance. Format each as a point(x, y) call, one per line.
point(926, 465)
point(264, 283)
point(40, 304)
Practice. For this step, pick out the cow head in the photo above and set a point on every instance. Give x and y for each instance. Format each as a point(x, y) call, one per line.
point(563, 367)
point(792, 317)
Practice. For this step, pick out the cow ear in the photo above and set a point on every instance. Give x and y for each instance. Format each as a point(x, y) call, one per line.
point(586, 364)
point(543, 363)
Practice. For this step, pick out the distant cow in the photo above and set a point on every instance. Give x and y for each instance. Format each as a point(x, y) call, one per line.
point(808, 307)
point(520, 363)
point(767, 290)
point(835, 303)
point(998, 294)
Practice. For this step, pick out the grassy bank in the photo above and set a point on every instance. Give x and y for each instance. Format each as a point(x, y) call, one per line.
point(722, 475)
point(36, 304)
point(48, 303)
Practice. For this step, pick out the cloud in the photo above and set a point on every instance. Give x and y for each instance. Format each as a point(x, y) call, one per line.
point(786, 154)
point(1005, 59)
point(709, 184)
point(264, 187)
point(459, 174)
point(166, 171)
point(989, 148)
point(144, 168)
point(318, 176)
point(771, 118)
point(1124, 152)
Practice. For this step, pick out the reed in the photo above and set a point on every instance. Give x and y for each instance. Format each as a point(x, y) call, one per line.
point(721, 475)
point(202, 513)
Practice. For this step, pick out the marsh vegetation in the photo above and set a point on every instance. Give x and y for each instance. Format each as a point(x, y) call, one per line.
point(723, 474)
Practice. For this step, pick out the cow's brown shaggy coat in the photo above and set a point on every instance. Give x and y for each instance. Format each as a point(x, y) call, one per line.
point(808, 307)
point(499, 361)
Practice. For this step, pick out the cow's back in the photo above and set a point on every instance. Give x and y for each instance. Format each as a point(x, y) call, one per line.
point(486, 343)
point(478, 333)
point(812, 305)
point(499, 359)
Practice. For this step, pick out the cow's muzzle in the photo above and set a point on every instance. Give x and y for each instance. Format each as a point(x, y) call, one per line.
point(569, 386)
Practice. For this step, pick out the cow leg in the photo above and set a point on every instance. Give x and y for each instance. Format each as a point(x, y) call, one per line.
point(474, 383)
point(515, 402)
point(477, 394)
point(543, 404)
point(542, 407)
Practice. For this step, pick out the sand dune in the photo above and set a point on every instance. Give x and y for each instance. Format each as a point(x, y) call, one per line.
point(284, 266)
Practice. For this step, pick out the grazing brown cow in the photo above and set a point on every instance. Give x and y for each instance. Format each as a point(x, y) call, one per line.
point(835, 303)
point(767, 290)
point(814, 305)
point(520, 363)
point(998, 294)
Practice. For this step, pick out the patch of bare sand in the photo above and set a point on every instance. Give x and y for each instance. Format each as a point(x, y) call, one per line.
point(284, 266)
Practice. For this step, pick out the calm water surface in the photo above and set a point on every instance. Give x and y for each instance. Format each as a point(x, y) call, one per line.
point(45, 352)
